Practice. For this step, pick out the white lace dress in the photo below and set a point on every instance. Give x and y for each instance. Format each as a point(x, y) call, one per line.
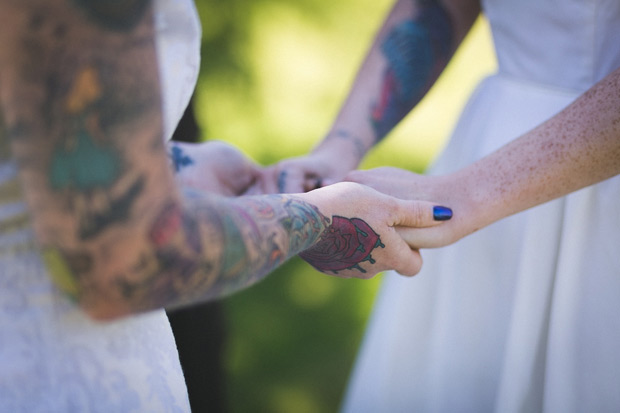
point(53, 358)
point(522, 316)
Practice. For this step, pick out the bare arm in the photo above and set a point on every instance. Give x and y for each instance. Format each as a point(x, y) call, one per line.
point(80, 97)
point(578, 147)
point(410, 51)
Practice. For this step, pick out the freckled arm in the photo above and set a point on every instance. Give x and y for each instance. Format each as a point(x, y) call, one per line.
point(578, 147)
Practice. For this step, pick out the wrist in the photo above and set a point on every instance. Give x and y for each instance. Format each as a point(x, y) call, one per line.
point(344, 147)
point(479, 206)
point(454, 191)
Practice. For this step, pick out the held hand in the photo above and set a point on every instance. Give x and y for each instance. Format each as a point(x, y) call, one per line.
point(445, 190)
point(303, 174)
point(340, 152)
point(361, 238)
point(216, 167)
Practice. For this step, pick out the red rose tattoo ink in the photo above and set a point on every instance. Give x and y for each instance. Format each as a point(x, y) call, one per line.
point(344, 245)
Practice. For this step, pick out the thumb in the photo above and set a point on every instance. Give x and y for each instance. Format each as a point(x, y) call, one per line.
point(420, 214)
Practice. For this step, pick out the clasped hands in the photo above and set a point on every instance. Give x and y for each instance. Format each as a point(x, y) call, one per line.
point(380, 218)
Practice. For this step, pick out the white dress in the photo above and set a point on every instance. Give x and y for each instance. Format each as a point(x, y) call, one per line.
point(53, 358)
point(522, 316)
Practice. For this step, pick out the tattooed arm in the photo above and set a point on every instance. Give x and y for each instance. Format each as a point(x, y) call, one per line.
point(81, 105)
point(412, 48)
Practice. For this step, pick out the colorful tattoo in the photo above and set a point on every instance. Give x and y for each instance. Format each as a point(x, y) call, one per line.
point(236, 257)
point(416, 51)
point(358, 144)
point(303, 222)
point(82, 161)
point(179, 158)
point(61, 273)
point(248, 238)
point(166, 225)
point(96, 219)
point(83, 165)
point(118, 15)
point(346, 244)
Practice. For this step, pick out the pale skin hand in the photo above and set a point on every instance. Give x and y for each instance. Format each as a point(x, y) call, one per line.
point(578, 147)
point(80, 102)
point(409, 52)
point(324, 166)
point(446, 190)
point(216, 167)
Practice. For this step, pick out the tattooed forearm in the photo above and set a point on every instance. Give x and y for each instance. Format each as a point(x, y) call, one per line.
point(416, 50)
point(210, 249)
point(358, 144)
point(82, 108)
point(115, 14)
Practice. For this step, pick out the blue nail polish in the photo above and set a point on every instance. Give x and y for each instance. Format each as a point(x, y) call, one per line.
point(441, 213)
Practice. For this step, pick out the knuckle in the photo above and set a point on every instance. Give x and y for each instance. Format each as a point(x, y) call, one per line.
point(417, 214)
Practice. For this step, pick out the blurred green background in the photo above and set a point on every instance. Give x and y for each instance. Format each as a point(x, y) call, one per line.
point(273, 75)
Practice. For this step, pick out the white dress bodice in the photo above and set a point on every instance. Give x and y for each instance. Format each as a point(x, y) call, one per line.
point(568, 44)
point(521, 316)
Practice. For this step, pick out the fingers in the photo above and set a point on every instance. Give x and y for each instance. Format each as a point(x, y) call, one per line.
point(290, 181)
point(420, 214)
point(410, 263)
point(421, 237)
point(278, 179)
point(299, 175)
point(267, 182)
point(312, 183)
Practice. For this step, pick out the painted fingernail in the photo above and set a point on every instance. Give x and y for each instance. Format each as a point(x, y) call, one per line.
point(441, 213)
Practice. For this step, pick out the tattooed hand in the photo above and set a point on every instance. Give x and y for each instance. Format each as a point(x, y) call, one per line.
point(215, 167)
point(361, 239)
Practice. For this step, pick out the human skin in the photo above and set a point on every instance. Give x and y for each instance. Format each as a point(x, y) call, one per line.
point(578, 147)
point(215, 166)
point(413, 46)
point(80, 103)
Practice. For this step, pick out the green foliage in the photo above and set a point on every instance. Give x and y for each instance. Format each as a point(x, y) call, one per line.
point(293, 339)
point(274, 73)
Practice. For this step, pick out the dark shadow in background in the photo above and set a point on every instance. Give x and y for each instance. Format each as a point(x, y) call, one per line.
point(199, 330)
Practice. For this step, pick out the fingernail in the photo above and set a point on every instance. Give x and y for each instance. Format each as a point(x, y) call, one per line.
point(441, 213)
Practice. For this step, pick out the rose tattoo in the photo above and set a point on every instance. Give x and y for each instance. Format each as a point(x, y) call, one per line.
point(345, 244)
